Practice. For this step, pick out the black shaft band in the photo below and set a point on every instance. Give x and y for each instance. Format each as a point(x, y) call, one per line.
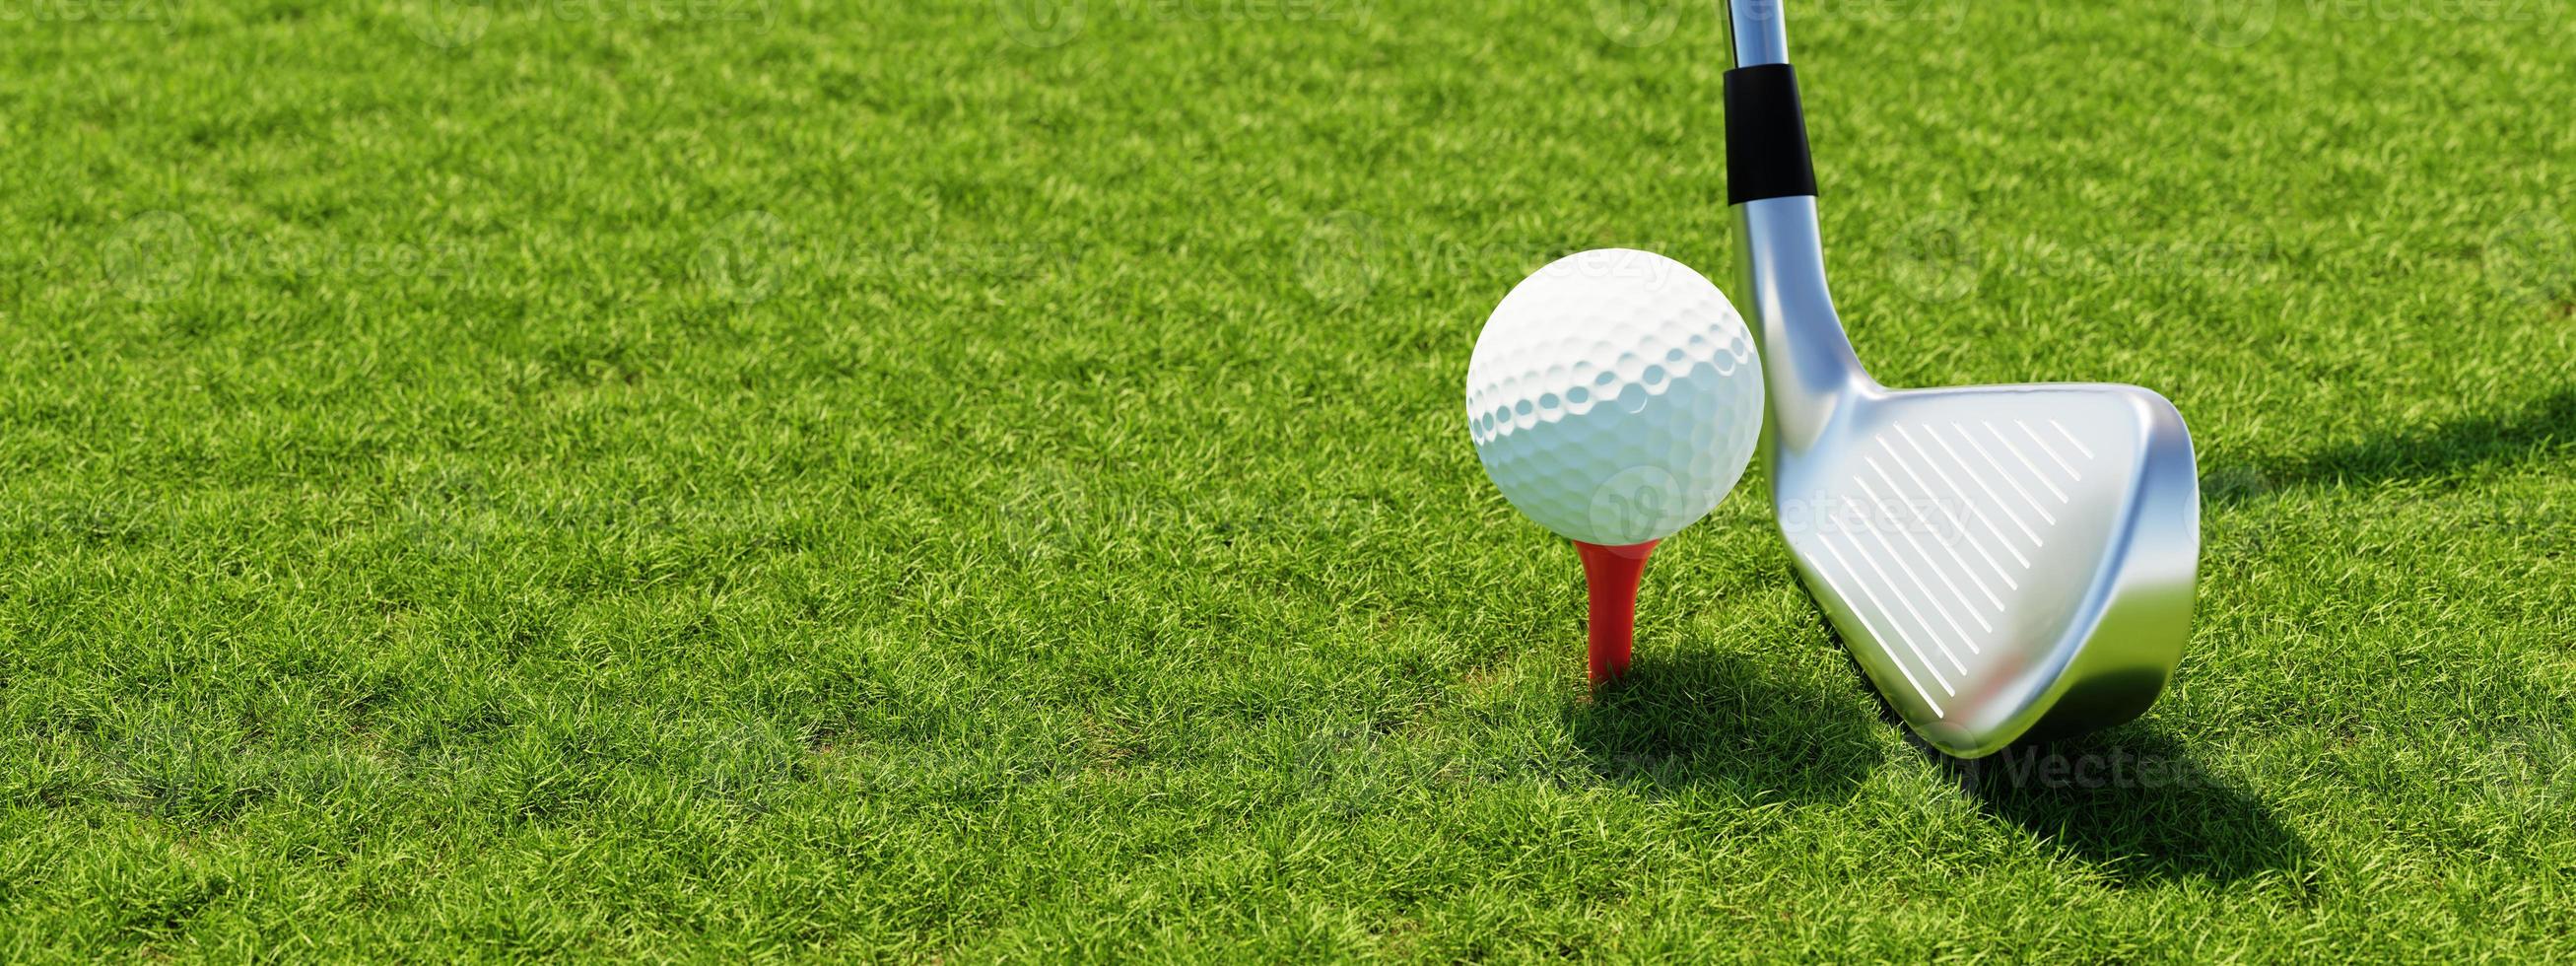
point(1766, 136)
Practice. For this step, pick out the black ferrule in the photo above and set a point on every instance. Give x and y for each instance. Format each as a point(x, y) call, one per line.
point(1766, 136)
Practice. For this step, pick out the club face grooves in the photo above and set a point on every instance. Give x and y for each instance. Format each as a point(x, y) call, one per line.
point(2003, 561)
point(1987, 584)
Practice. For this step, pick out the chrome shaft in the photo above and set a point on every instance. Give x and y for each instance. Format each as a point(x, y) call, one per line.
point(1759, 36)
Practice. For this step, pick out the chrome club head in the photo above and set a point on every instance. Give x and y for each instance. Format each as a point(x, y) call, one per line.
point(2005, 562)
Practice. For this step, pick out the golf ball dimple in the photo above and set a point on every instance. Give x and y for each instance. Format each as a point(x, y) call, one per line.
point(1614, 396)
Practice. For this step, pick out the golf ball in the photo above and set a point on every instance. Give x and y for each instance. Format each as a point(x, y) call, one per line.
point(1615, 396)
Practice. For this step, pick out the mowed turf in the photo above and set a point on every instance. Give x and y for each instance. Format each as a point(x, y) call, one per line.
point(963, 481)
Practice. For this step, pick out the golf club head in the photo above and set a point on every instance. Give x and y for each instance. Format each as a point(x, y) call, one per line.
point(2005, 562)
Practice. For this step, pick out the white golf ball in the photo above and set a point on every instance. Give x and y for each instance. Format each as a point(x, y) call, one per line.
point(1615, 396)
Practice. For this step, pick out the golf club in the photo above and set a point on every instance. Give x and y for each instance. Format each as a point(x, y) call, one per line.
point(2005, 562)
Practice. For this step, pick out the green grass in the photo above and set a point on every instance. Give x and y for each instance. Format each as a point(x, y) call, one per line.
point(786, 480)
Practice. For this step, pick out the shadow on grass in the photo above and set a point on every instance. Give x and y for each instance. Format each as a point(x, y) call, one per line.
point(2535, 432)
point(1702, 720)
point(2130, 800)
